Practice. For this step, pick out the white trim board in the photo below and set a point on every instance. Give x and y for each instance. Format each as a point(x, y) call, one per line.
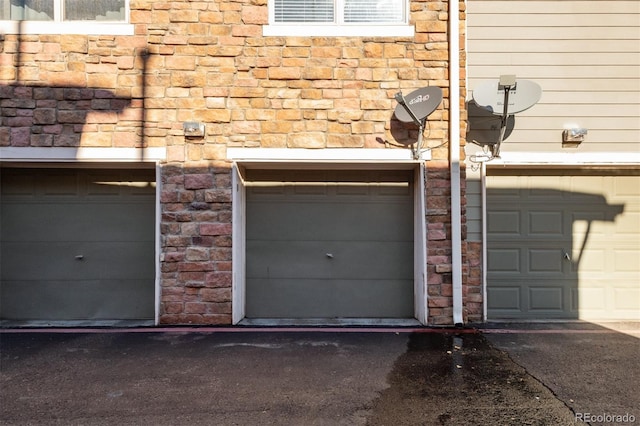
point(324, 155)
point(334, 30)
point(81, 154)
point(566, 158)
point(238, 204)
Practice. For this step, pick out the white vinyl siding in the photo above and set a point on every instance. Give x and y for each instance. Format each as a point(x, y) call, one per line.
point(584, 55)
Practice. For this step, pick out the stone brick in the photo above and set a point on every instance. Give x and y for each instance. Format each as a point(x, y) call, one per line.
point(198, 181)
point(197, 253)
point(216, 294)
point(255, 15)
point(307, 140)
point(178, 15)
point(74, 43)
point(195, 308)
point(345, 141)
point(182, 62)
point(215, 229)
point(285, 73)
point(439, 302)
point(435, 235)
point(172, 307)
point(318, 73)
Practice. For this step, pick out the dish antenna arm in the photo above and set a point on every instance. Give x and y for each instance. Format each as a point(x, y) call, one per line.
point(420, 123)
point(507, 84)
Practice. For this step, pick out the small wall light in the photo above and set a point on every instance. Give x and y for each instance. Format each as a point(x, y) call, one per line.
point(572, 138)
point(193, 129)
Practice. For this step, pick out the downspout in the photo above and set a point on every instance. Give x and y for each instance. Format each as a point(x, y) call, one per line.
point(483, 183)
point(454, 156)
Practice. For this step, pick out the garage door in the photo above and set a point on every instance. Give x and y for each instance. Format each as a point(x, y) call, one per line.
point(329, 244)
point(563, 245)
point(77, 245)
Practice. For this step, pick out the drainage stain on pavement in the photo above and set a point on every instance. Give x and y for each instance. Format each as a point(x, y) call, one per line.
point(446, 379)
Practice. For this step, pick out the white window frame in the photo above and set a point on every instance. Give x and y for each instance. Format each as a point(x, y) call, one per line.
point(339, 28)
point(58, 26)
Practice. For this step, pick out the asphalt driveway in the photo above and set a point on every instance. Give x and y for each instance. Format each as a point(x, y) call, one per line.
point(593, 368)
point(312, 377)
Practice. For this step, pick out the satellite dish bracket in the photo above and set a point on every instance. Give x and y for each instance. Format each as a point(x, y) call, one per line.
point(507, 83)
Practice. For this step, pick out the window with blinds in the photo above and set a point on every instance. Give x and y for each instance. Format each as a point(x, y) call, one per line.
point(304, 11)
point(387, 11)
point(63, 10)
point(339, 11)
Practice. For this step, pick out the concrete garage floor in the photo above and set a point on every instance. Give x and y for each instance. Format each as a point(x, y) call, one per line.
point(266, 377)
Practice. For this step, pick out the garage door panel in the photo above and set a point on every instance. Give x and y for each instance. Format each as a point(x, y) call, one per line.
point(627, 299)
point(627, 260)
point(594, 216)
point(547, 223)
point(76, 300)
point(504, 260)
point(589, 299)
point(59, 260)
point(630, 221)
point(546, 261)
point(504, 222)
point(300, 221)
point(81, 239)
point(336, 259)
point(18, 185)
point(504, 299)
point(546, 299)
point(592, 261)
point(290, 298)
point(86, 222)
point(329, 244)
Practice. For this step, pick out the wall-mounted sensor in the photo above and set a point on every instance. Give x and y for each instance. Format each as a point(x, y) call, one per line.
point(193, 129)
point(572, 138)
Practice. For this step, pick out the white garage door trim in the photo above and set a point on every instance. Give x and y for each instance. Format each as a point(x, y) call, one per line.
point(87, 156)
point(239, 224)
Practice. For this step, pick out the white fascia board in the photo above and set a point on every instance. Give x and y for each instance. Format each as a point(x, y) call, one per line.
point(347, 155)
point(64, 154)
point(566, 159)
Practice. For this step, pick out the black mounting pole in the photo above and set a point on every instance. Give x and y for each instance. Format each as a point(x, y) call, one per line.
point(420, 123)
point(503, 121)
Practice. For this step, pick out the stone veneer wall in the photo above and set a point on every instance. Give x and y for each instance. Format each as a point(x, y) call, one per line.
point(207, 61)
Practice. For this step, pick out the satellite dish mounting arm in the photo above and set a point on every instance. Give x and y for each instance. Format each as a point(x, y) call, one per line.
point(507, 83)
point(420, 123)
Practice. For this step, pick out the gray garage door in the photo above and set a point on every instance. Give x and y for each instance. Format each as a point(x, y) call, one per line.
point(329, 244)
point(563, 245)
point(77, 245)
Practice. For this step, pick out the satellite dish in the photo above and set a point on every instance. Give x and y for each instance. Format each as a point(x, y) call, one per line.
point(506, 97)
point(421, 103)
point(416, 107)
point(523, 95)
